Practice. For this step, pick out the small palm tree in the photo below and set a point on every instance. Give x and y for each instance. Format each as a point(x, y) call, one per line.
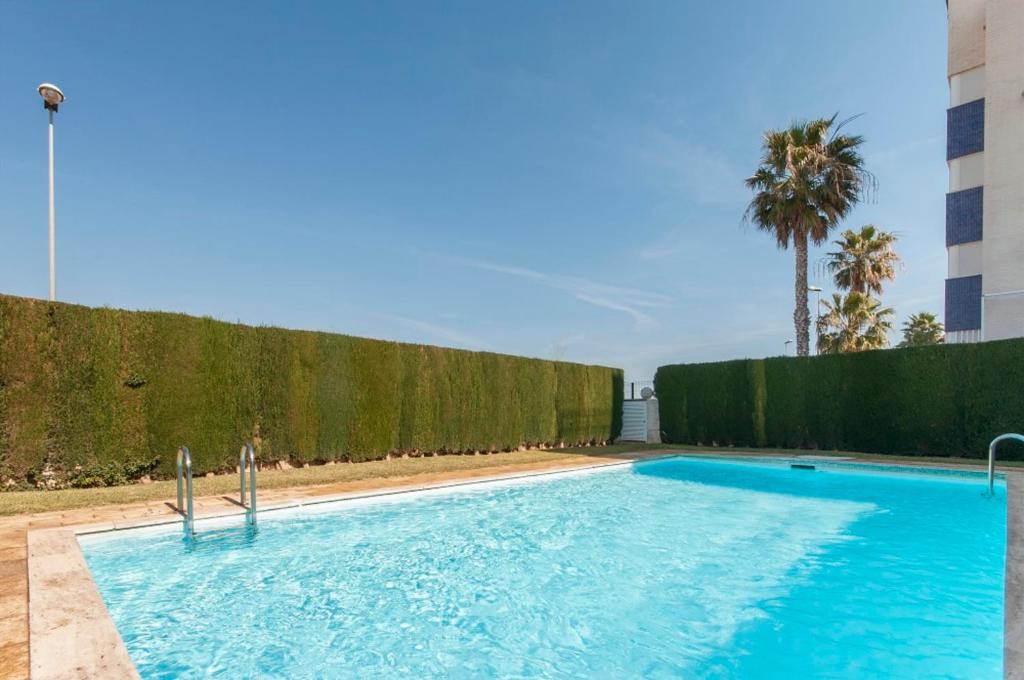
point(865, 260)
point(854, 323)
point(809, 179)
point(922, 329)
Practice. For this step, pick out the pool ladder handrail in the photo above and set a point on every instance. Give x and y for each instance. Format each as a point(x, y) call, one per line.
point(185, 475)
point(992, 457)
point(247, 458)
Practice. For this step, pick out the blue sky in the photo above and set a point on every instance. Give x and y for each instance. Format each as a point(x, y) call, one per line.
point(562, 180)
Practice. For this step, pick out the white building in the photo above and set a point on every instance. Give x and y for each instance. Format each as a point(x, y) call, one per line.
point(985, 153)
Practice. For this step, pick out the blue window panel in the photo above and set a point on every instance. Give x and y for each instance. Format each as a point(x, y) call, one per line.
point(965, 129)
point(963, 215)
point(963, 303)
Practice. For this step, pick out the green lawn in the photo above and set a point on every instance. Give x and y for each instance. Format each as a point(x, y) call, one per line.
point(19, 502)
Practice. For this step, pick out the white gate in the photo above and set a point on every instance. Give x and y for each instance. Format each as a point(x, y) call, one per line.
point(640, 421)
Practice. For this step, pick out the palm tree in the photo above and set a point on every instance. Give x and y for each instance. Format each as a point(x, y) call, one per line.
point(864, 261)
point(853, 323)
point(922, 329)
point(809, 179)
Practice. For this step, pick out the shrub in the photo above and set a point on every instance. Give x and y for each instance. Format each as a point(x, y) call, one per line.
point(112, 473)
point(99, 388)
point(941, 400)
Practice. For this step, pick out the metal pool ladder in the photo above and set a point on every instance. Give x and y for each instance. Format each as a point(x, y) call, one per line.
point(247, 458)
point(992, 457)
point(185, 475)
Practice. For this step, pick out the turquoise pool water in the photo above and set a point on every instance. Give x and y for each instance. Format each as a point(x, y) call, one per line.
point(674, 568)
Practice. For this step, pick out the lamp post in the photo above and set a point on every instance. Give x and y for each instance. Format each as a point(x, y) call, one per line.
point(785, 347)
point(52, 98)
point(817, 317)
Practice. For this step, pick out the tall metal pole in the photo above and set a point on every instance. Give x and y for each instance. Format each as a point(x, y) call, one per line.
point(817, 324)
point(53, 223)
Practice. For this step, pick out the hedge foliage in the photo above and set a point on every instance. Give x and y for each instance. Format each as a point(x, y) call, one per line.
point(85, 387)
point(943, 400)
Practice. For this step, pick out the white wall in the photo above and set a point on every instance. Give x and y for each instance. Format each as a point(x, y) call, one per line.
point(965, 259)
point(966, 34)
point(1003, 256)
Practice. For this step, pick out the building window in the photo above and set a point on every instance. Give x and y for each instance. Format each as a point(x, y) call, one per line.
point(965, 129)
point(963, 216)
point(963, 303)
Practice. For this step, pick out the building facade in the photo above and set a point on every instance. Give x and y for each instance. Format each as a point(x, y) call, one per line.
point(985, 154)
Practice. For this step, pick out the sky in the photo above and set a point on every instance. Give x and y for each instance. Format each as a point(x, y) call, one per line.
point(559, 180)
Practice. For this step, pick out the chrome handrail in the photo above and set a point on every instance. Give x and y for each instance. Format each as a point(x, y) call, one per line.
point(185, 475)
point(992, 457)
point(247, 457)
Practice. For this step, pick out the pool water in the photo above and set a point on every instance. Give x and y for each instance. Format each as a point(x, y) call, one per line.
point(682, 567)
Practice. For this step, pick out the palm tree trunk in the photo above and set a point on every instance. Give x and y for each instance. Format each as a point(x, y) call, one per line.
point(801, 317)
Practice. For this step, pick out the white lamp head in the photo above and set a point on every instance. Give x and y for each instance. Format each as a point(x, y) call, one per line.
point(52, 96)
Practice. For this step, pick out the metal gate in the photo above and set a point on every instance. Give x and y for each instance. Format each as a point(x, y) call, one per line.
point(634, 420)
point(640, 421)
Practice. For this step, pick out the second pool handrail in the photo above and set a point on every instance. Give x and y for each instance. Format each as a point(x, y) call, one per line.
point(185, 479)
point(247, 458)
point(992, 457)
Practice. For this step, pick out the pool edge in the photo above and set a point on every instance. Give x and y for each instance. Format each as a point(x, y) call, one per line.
point(71, 633)
point(1013, 594)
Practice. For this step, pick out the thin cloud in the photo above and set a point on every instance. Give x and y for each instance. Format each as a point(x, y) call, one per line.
point(917, 303)
point(628, 301)
point(896, 153)
point(703, 173)
point(641, 360)
point(560, 347)
point(433, 330)
point(674, 244)
point(675, 161)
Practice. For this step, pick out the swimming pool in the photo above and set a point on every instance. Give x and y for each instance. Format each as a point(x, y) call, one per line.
point(679, 567)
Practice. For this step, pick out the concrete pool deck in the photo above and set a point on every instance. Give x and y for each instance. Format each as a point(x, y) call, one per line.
point(53, 623)
point(1013, 598)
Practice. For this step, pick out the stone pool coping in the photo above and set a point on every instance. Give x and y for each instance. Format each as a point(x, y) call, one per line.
point(72, 635)
point(1013, 598)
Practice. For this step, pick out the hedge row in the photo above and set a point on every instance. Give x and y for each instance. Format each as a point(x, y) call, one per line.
point(84, 386)
point(944, 400)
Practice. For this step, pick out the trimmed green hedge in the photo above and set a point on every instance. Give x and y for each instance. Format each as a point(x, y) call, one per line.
point(84, 386)
point(944, 400)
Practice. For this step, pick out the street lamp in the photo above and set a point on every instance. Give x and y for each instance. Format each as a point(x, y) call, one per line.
point(817, 317)
point(785, 347)
point(52, 98)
